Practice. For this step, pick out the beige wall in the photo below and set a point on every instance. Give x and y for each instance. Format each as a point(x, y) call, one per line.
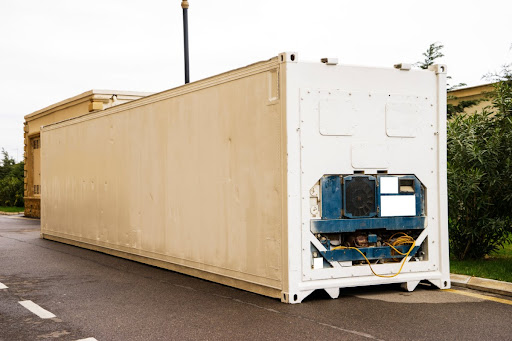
point(72, 107)
point(35, 156)
point(471, 93)
point(192, 177)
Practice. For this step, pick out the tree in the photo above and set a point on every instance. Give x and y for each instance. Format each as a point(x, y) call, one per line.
point(7, 163)
point(11, 181)
point(502, 90)
point(431, 55)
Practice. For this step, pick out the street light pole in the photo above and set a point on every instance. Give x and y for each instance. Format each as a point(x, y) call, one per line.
point(184, 5)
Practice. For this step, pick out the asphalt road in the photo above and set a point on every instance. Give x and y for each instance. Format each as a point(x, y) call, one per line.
point(94, 295)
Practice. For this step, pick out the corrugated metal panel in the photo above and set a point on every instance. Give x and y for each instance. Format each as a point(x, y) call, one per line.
point(194, 179)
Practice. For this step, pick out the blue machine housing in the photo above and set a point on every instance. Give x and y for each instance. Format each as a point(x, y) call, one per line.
point(331, 197)
point(352, 225)
point(335, 220)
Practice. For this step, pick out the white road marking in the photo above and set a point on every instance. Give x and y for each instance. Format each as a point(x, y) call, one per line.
point(3, 286)
point(88, 339)
point(34, 308)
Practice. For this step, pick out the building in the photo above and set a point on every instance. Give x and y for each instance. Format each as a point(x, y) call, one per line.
point(471, 93)
point(83, 104)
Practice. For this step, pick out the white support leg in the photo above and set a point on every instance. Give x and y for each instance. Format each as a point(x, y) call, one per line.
point(295, 297)
point(410, 286)
point(441, 283)
point(333, 292)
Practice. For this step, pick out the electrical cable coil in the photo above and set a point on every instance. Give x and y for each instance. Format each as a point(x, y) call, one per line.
point(405, 239)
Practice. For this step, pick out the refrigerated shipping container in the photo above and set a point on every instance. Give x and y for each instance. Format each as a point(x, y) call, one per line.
point(280, 178)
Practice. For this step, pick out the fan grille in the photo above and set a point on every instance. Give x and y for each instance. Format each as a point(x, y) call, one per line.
point(360, 196)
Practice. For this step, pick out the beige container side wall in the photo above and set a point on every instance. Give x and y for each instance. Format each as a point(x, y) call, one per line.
point(195, 180)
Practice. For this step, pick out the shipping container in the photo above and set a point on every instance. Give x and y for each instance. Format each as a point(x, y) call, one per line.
point(280, 178)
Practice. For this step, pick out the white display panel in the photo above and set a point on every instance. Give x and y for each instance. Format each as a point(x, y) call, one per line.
point(397, 205)
point(389, 185)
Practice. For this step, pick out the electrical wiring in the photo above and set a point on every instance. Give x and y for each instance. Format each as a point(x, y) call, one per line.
point(395, 249)
point(405, 239)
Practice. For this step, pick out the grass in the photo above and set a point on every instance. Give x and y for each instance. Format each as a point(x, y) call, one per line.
point(11, 209)
point(497, 266)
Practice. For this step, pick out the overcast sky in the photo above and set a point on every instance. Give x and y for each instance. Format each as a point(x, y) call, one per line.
point(55, 49)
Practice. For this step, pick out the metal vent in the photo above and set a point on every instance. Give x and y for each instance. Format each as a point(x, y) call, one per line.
point(360, 196)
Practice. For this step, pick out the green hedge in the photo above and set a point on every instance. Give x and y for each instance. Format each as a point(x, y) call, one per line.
point(480, 176)
point(11, 182)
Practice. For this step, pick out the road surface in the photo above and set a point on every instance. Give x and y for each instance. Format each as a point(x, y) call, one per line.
point(97, 296)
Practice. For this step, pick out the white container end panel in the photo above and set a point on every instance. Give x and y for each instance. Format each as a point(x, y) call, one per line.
point(366, 177)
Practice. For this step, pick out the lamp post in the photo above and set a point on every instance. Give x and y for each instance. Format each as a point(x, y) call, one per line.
point(184, 5)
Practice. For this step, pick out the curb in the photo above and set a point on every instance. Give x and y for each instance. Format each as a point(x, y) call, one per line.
point(482, 284)
point(10, 213)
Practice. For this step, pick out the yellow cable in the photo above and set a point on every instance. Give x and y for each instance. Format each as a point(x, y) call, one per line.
point(396, 250)
point(405, 239)
point(405, 234)
point(376, 274)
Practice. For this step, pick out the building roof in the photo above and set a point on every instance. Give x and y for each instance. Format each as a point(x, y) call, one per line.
point(90, 95)
point(472, 90)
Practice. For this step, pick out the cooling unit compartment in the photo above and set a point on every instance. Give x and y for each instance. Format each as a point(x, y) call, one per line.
point(367, 219)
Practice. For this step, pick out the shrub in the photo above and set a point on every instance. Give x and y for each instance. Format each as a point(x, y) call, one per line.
point(11, 181)
point(11, 191)
point(480, 176)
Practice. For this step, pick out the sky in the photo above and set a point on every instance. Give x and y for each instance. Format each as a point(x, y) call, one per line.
point(55, 49)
